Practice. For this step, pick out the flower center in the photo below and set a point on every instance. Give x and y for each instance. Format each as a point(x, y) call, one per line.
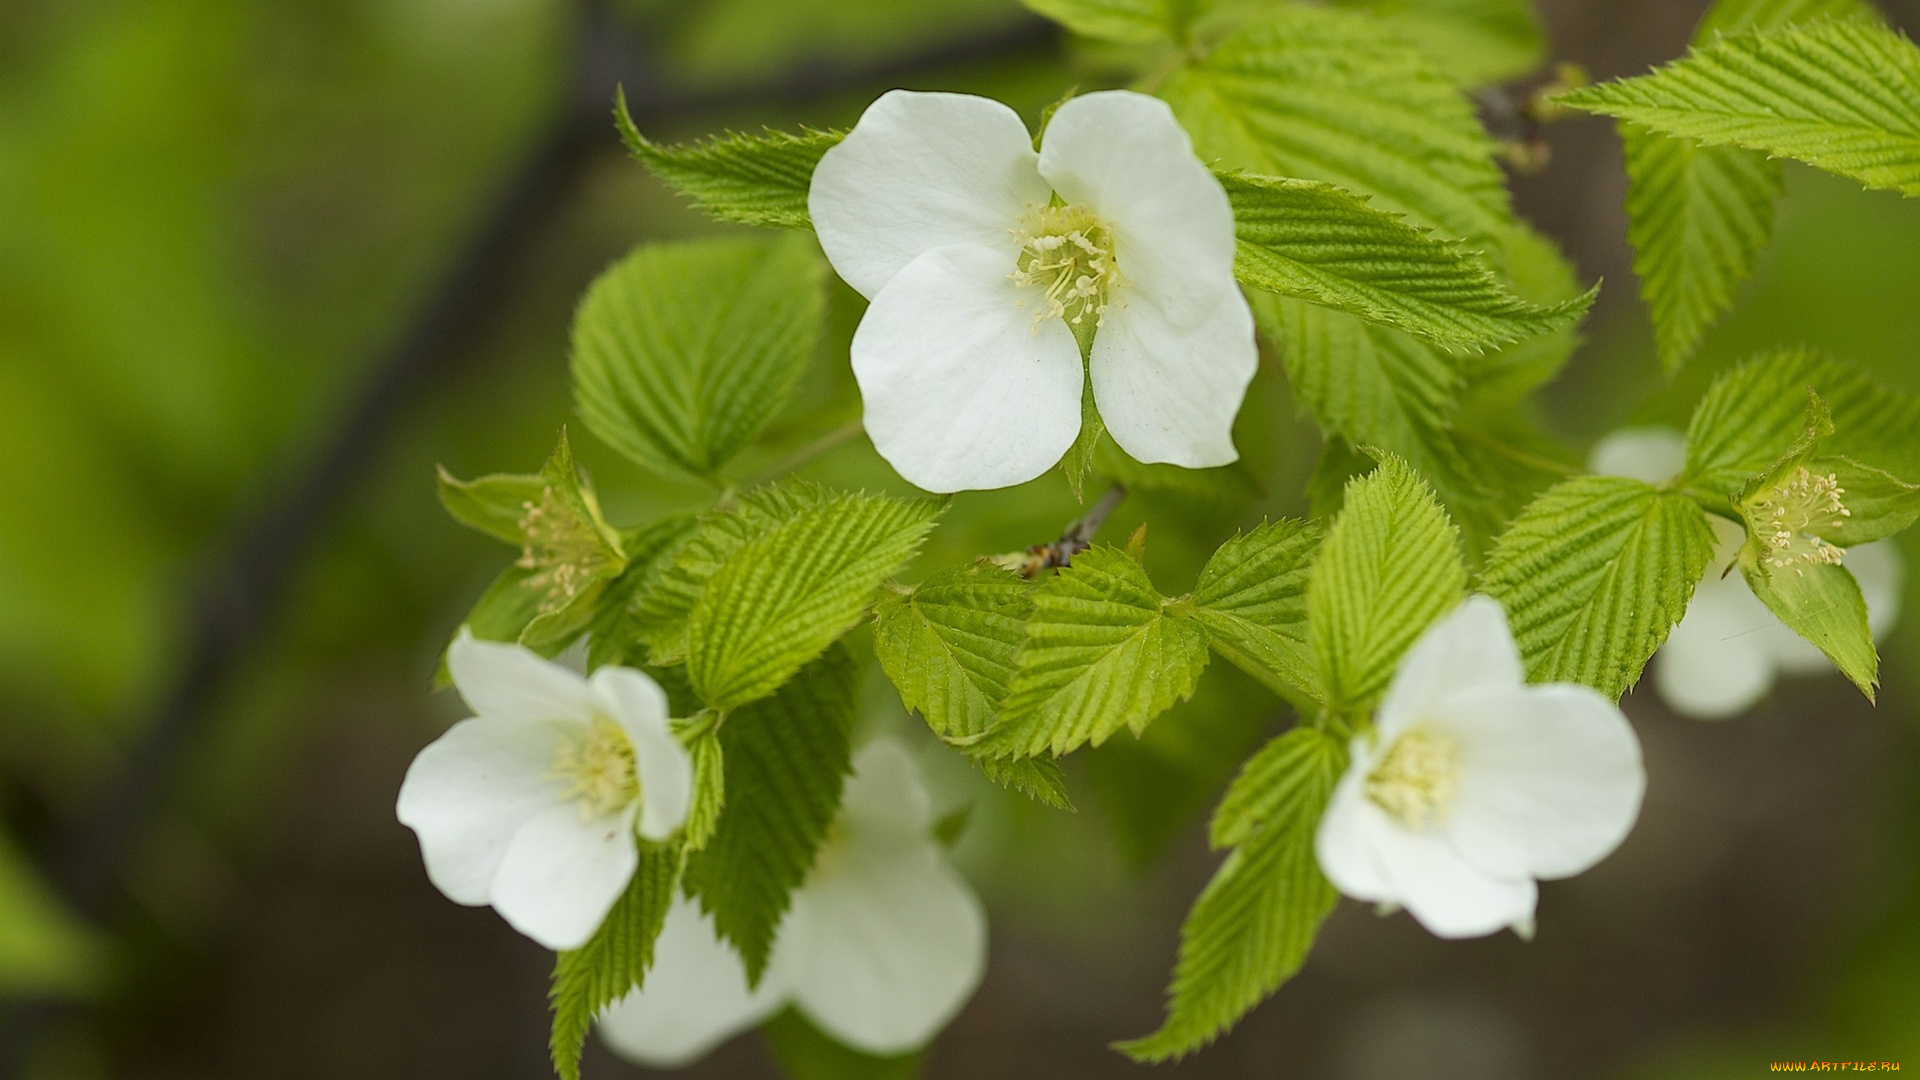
point(597, 769)
point(1066, 255)
point(1788, 516)
point(562, 548)
point(1416, 780)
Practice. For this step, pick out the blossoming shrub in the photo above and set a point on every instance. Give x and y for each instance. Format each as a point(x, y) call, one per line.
point(1452, 618)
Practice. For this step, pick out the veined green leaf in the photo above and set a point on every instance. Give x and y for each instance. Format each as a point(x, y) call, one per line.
point(1822, 604)
point(1128, 21)
point(1476, 41)
point(491, 504)
point(782, 598)
point(1317, 242)
point(1038, 778)
point(1389, 567)
point(669, 597)
point(751, 180)
point(1840, 95)
point(682, 351)
point(1252, 601)
point(1698, 218)
point(1755, 413)
point(949, 646)
point(1101, 653)
point(709, 790)
point(786, 759)
point(614, 636)
point(1594, 574)
point(1251, 928)
point(615, 960)
point(1324, 95)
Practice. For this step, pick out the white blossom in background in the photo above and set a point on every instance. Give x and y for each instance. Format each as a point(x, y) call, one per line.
point(981, 258)
point(536, 805)
point(1727, 652)
point(883, 944)
point(1474, 784)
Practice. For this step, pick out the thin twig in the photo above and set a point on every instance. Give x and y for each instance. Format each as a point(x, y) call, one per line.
point(1077, 538)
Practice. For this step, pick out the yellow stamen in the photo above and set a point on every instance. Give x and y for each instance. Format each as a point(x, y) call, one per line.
point(1415, 781)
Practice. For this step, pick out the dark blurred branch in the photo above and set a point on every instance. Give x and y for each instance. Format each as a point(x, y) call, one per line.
point(246, 575)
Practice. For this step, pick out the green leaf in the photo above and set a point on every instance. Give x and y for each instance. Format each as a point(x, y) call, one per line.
point(1594, 574)
point(751, 180)
point(1128, 21)
point(807, 1053)
point(782, 598)
point(1698, 218)
point(1476, 41)
point(615, 960)
point(949, 646)
point(615, 633)
point(786, 759)
point(1734, 16)
point(709, 790)
point(683, 351)
point(491, 504)
point(1038, 778)
point(1324, 95)
point(668, 600)
point(1754, 413)
point(1822, 604)
point(1252, 601)
point(1390, 566)
point(1317, 242)
point(1101, 653)
point(1840, 95)
point(1078, 461)
point(1251, 928)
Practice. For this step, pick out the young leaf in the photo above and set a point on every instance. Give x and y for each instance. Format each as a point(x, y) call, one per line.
point(1101, 653)
point(782, 598)
point(1840, 95)
point(1822, 604)
point(615, 960)
point(949, 646)
point(1390, 566)
point(1253, 925)
point(1252, 601)
point(1324, 95)
point(709, 790)
point(1476, 41)
point(614, 636)
point(786, 759)
point(1316, 242)
point(1734, 16)
point(668, 600)
point(491, 504)
point(1754, 413)
point(1698, 218)
point(752, 180)
point(1594, 574)
point(681, 352)
point(1127, 21)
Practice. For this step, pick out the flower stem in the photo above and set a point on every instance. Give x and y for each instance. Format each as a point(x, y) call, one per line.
point(829, 441)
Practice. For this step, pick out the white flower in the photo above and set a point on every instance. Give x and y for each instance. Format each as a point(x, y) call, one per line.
point(882, 945)
point(1726, 653)
point(533, 804)
point(1473, 784)
point(981, 257)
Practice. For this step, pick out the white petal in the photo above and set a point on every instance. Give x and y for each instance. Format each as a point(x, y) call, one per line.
point(694, 998)
point(1467, 650)
point(1125, 157)
point(963, 390)
point(640, 707)
point(1448, 895)
point(469, 791)
point(1652, 455)
point(511, 682)
point(895, 943)
point(1551, 779)
point(561, 874)
point(920, 171)
point(1342, 843)
point(1169, 391)
point(1718, 661)
point(885, 796)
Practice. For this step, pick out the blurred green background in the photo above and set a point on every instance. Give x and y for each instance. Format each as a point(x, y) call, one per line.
point(219, 219)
